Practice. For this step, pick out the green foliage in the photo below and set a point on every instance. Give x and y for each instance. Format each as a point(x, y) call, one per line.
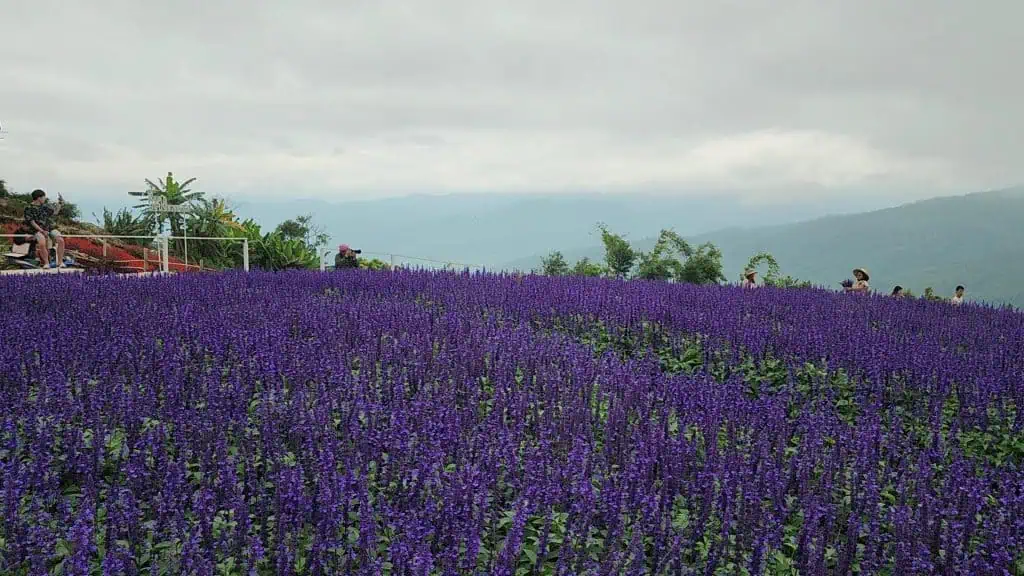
point(703, 266)
point(302, 228)
point(673, 258)
point(124, 223)
point(790, 282)
point(619, 256)
point(276, 252)
point(554, 264)
point(212, 219)
point(374, 264)
point(664, 262)
point(273, 251)
point(69, 212)
point(585, 267)
point(931, 296)
point(4, 192)
point(174, 193)
point(766, 258)
point(774, 277)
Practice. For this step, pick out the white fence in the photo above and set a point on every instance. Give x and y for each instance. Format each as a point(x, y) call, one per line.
point(162, 244)
point(162, 256)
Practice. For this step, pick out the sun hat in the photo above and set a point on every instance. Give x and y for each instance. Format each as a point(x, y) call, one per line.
point(343, 248)
point(749, 272)
point(863, 271)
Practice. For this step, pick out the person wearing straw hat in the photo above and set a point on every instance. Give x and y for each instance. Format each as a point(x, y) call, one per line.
point(346, 258)
point(749, 278)
point(860, 283)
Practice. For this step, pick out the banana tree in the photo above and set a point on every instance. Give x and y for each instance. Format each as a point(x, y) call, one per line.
point(212, 219)
point(169, 191)
point(124, 223)
point(275, 252)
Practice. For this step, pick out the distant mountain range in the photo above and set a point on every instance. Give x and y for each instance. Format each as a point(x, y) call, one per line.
point(976, 240)
point(818, 235)
point(491, 230)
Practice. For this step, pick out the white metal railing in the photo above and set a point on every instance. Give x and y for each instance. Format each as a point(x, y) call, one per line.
point(164, 242)
point(164, 256)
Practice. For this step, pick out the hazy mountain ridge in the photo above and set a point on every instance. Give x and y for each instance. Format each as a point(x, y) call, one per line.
point(493, 229)
point(976, 240)
point(973, 239)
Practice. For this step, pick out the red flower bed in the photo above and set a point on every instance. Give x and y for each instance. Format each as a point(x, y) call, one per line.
point(129, 258)
point(125, 258)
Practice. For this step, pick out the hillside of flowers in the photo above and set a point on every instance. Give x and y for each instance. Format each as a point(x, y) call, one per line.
point(421, 423)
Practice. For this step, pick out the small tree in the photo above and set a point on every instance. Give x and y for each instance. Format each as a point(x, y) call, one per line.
point(619, 256)
point(554, 264)
point(703, 266)
point(931, 296)
point(302, 228)
point(585, 267)
point(673, 258)
point(663, 262)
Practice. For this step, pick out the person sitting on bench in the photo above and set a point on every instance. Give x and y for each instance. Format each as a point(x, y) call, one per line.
point(39, 220)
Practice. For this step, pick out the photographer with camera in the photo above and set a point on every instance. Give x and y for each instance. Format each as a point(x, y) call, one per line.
point(346, 258)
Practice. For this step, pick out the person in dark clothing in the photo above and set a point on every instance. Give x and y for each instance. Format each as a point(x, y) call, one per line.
point(346, 258)
point(39, 221)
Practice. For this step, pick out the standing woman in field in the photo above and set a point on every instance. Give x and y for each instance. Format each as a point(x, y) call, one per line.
point(860, 284)
point(749, 279)
point(958, 296)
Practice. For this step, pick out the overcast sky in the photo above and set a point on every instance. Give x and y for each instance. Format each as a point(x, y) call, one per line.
point(379, 97)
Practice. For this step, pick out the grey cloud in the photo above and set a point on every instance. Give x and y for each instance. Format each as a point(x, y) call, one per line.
point(628, 90)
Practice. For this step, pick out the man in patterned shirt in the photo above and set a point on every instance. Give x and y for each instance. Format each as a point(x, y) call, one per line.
point(39, 220)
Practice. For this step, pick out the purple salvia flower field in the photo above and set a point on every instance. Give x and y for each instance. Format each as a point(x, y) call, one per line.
point(422, 423)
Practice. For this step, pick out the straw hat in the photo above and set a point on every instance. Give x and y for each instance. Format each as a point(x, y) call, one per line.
point(749, 272)
point(863, 271)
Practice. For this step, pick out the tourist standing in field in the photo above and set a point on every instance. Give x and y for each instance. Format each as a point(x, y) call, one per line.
point(346, 258)
point(958, 296)
point(749, 279)
point(860, 283)
point(39, 217)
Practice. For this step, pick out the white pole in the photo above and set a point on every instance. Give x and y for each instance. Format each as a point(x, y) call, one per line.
point(245, 254)
point(323, 261)
point(165, 251)
point(184, 224)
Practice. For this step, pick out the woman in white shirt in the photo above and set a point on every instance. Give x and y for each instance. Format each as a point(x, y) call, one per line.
point(958, 296)
point(860, 283)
